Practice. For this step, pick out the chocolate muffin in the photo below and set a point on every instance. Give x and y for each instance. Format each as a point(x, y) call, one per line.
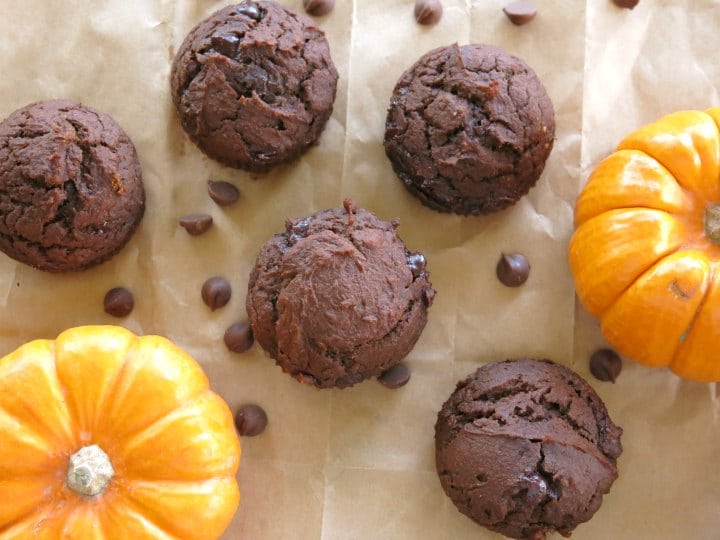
point(525, 447)
point(254, 85)
point(337, 298)
point(71, 190)
point(469, 129)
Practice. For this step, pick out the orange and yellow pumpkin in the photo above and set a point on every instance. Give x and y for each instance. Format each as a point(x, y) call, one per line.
point(646, 251)
point(105, 435)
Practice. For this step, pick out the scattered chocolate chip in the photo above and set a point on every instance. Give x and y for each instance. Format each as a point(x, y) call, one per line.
point(520, 12)
point(605, 365)
point(119, 302)
point(428, 11)
point(226, 44)
point(416, 262)
point(249, 9)
point(395, 377)
point(216, 292)
point(239, 337)
point(196, 223)
point(318, 8)
point(250, 420)
point(627, 4)
point(223, 193)
point(512, 269)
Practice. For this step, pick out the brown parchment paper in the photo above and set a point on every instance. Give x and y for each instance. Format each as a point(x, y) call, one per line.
point(358, 463)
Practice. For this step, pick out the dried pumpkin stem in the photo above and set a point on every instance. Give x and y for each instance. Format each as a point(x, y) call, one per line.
point(89, 471)
point(712, 223)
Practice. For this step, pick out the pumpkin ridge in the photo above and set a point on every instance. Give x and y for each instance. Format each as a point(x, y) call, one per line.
point(37, 509)
point(130, 444)
point(65, 391)
point(575, 271)
point(632, 282)
point(148, 514)
point(131, 434)
point(133, 506)
point(691, 324)
point(46, 434)
point(177, 527)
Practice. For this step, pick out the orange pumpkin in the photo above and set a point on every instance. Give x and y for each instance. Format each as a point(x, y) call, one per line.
point(646, 250)
point(107, 435)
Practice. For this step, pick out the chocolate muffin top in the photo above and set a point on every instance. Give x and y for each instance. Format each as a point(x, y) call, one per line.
point(525, 447)
point(254, 84)
point(71, 191)
point(469, 129)
point(337, 297)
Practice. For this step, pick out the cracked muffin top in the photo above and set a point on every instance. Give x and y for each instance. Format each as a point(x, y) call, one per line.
point(71, 190)
point(469, 129)
point(525, 447)
point(337, 298)
point(254, 85)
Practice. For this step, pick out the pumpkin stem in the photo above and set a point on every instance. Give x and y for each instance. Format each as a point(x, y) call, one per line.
point(712, 223)
point(89, 471)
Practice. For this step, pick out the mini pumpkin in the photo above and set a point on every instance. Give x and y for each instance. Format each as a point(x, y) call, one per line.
point(107, 435)
point(646, 251)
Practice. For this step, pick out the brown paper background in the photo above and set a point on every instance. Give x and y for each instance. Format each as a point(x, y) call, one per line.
point(358, 463)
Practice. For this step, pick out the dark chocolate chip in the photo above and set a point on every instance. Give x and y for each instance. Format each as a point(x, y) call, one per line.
point(605, 365)
point(395, 377)
point(249, 9)
point(239, 337)
point(520, 12)
point(318, 8)
point(416, 262)
point(223, 193)
point(428, 11)
point(627, 4)
point(216, 292)
point(227, 44)
point(119, 302)
point(250, 420)
point(297, 229)
point(512, 269)
point(196, 223)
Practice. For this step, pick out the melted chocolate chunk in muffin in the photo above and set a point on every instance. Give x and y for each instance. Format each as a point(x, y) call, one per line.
point(337, 298)
point(469, 129)
point(71, 191)
point(254, 85)
point(525, 447)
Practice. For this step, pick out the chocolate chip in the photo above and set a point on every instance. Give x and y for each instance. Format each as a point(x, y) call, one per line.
point(512, 269)
point(196, 223)
point(250, 420)
point(239, 337)
point(119, 302)
point(520, 12)
point(605, 365)
point(249, 9)
point(318, 8)
point(417, 263)
point(428, 11)
point(216, 292)
point(223, 193)
point(227, 44)
point(395, 377)
point(627, 4)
